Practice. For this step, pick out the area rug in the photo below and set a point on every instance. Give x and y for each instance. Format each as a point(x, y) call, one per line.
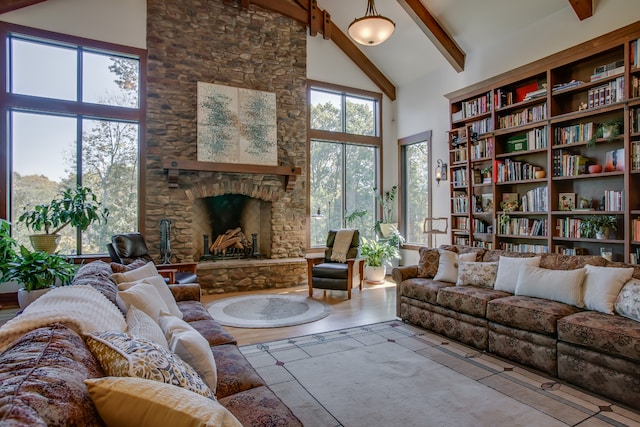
point(394, 374)
point(267, 311)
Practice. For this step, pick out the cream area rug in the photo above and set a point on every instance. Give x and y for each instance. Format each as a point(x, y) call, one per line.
point(267, 311)
point(394, 374)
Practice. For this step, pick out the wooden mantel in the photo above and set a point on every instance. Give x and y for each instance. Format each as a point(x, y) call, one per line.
point(174, 166)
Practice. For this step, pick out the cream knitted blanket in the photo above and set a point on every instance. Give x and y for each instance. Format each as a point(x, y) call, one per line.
point(342, 244)
point(79, 307)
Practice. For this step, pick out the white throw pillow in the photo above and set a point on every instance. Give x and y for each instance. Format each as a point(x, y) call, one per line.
point(448, 265)
point(140, 324)
point(191, 347)
point(508, 269)
point(477, 274)
point(145, 297)
point(161, 287)
point(602, 286)
point(147, 270)
point(557, 285)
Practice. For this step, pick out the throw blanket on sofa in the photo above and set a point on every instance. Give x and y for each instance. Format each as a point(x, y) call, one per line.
point(80, 307)
point(341, 245)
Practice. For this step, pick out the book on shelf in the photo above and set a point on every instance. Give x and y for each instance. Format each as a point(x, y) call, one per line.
point(613, 200)
point(522, 91)
point(614, 160)
point(517, 143)
point(566, 201)
point(635, 155)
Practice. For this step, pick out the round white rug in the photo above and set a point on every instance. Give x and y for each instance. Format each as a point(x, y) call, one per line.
point(267, 311)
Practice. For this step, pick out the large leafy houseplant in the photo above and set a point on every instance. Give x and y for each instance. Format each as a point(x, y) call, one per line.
point(77, 207)
point(7, 248)
point(39, 270)
point(378, 253)
point(597, 226)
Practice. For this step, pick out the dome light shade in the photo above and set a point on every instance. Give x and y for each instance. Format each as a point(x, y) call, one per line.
point(373, 28)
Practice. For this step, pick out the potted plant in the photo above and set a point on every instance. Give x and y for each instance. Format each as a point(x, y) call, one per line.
point(377, 255)
point(386, 200)
point(7, 248)
point(598, 226)
point(608, 130)
point(77, 207)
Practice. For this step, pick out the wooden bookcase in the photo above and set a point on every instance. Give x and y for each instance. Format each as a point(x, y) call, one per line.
point(531, 135)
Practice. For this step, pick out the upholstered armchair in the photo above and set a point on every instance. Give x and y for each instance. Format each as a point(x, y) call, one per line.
point(324, 272)
point(128, 247)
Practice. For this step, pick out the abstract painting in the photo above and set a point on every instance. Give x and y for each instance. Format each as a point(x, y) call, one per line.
point(236, 125)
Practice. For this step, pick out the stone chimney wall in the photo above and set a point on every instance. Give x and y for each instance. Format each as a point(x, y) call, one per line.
point(215, 41)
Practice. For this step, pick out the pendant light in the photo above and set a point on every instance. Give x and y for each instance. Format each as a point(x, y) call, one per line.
point(373, 28)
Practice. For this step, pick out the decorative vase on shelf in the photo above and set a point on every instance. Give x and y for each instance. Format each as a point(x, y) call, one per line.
point(595, 168)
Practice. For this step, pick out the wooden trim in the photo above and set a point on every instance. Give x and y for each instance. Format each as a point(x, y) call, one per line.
point(418, 137)
point(8, 300)
point(11, 5)
point(293, 11)
point(434, 31)
point(582, 8)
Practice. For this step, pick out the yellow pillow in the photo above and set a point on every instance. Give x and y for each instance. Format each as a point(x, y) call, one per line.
point(136, 402)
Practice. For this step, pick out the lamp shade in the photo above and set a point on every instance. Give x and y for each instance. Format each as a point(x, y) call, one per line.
point(371, 30)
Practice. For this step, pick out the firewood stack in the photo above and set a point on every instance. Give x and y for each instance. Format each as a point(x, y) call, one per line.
point(233, 240)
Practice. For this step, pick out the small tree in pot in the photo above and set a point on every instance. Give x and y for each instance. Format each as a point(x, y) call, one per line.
point(377, 255)
point(77, 207)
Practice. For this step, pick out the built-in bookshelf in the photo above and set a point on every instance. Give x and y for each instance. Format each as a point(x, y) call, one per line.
point(540, 151)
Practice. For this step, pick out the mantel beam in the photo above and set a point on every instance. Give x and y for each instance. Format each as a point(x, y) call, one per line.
point(434, 31)
point(582, 8)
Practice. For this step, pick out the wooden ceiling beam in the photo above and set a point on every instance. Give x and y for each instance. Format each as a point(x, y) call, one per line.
point(434, 31)
point(582, 8)
point(11, 5)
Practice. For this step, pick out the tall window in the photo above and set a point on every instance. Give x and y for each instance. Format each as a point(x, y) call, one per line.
point(73, 113)
point(344, 159)
point(416, 184)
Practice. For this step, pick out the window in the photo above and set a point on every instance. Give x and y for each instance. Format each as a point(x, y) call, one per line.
point(416, 184)
point(344, 159)
point(74, 116)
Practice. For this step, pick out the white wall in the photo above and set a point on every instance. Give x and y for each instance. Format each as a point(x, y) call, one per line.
point(422, 105)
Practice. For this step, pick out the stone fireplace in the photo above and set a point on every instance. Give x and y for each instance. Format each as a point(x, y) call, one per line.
point(248, 48)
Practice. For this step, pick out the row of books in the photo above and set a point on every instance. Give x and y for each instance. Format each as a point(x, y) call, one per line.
point(574, 133)
point(460, 203)
point(635, 229)
point(635, 87)
point(482, 148)
point(513, 170)
point(523, 247)
point(524, 227)
point(459, 154)
point(565, 250)
point(480, 226)
point(608, 70)
point(606, 94)
point(537, 138)
point(568, 228)
point(473, 107)
point(459, 177)
point(528, 115)
point(461, 240)
point(461, 223)
point(482, 126)
point(483, 244)
point(635, 155)
point(635, 53)
point(635, 119)
point(567, 164)
point(535, 200)
point(613, 200)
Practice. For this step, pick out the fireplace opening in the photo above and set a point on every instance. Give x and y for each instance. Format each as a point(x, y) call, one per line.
point(232, 226)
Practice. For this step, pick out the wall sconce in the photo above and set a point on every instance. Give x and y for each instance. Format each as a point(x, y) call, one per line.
point(441, 171)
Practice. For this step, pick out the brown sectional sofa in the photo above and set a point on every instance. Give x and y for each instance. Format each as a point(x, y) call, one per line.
point(42, 372)
point(597, 351)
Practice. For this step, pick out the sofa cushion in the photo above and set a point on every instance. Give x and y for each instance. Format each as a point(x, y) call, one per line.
point(602, 286)
point(41, 380)
point(614, 335)
point(192, 311)
point(428, 264)
point(494, 255)
point(556, 285)
point(628, 301)
point(235, 373)
point(422, 289)
point(508, 269)
point(528, 313)
point(214, 333)
point(260, 407)
point(477, 274)
point(101, 284)
point(468, 299)
point(570, 262)
point(122, 355)
point(136, 402)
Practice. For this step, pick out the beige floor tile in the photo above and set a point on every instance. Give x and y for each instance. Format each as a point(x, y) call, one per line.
point(634, 416)
point(456, 363)
point(333, 346)
point(414, 344)
point(258, 360)
point(289, 355)
point(369, 339)
point(274, 374)
point(308, 410)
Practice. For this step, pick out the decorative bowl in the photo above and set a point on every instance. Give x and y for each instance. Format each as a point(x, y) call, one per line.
point(540, 174)
point(595, 168)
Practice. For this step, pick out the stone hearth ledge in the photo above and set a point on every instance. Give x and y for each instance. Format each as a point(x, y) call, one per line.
point(217, 277)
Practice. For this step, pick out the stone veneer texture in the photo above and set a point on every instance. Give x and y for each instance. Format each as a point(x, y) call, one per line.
point(215, 41)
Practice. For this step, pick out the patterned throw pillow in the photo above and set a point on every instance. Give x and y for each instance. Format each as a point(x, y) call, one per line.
point(428, 264)
point(123, 355)
point(628, 301)
point(448, 265)
point(477, 273)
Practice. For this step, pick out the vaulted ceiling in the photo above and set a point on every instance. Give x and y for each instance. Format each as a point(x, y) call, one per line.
point(429, 33)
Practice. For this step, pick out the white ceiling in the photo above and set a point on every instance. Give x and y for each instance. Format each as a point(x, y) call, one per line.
point(409, 54)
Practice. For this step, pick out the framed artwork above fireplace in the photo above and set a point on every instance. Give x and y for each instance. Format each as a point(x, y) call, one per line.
point(236, 125)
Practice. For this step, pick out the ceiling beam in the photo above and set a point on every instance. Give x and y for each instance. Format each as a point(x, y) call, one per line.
point(305, 11)
point(582, 8)
point(434, 31)
point(11, 5)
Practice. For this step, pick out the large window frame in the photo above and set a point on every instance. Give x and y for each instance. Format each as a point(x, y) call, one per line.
point(344, 138)
point(404, 197)
point(77, 108)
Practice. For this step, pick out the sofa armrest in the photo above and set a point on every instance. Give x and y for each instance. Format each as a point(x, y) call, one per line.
point(399, 274)
point(186, 292)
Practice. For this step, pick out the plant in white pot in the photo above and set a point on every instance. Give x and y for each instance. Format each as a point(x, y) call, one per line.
point(598, 226)
point(37, 272)
point(377, 255)
point(77, 207)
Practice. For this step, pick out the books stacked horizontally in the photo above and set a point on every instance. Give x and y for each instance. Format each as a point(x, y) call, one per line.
point(608, 70)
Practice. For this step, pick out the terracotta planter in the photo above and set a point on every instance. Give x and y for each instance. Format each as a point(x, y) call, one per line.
point(45, 242)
